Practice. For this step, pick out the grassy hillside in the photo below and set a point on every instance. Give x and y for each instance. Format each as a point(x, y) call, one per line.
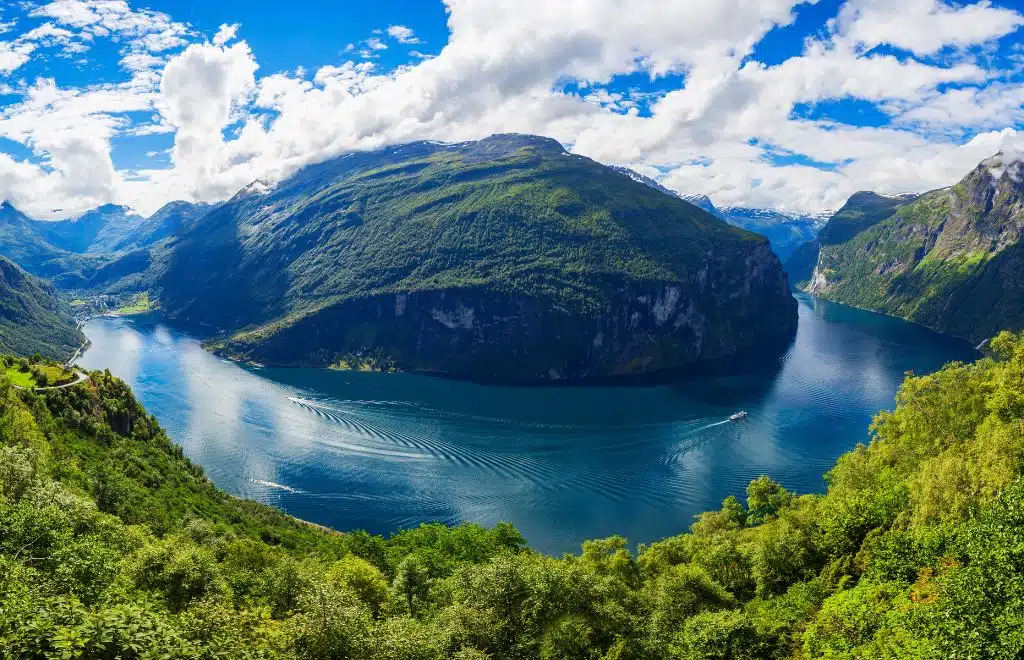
point(952, 260)
point(112, 544)
point(496, 239)
point(33, 319)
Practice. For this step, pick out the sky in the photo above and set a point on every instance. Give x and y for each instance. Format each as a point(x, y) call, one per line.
point(784, 104)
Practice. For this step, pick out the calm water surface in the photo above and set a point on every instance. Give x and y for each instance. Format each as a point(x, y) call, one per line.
point(387, 451)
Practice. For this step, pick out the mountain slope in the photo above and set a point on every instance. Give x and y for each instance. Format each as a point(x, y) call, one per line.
point(21, 243)
point(170, 220)
point(862, 211)
point(32, 318)
point(98, 231)
point(952, 260)
point(506, 258)
point(785, 231)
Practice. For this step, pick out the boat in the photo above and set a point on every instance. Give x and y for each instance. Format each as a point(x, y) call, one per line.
point(738, 416)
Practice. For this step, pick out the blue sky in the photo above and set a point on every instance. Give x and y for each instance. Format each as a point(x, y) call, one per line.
point(776, 103)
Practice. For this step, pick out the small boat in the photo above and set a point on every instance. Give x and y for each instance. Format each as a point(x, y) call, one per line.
point(738, 416)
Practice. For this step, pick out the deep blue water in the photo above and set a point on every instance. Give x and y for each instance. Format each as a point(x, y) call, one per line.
point(386, 451)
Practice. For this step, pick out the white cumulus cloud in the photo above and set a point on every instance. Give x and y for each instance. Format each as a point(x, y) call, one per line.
point(674, 88)
point(402, 34)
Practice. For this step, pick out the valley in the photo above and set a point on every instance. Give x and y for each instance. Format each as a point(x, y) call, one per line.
point(340, 295)
point(498, 330)
point(384, 451)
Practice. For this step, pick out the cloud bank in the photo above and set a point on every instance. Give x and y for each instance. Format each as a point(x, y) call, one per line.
point(687, 92)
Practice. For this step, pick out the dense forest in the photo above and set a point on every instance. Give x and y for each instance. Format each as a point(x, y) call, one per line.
point(33, 317)
point(114, 545)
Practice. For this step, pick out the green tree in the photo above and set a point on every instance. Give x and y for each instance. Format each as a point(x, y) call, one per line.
point(412, 582)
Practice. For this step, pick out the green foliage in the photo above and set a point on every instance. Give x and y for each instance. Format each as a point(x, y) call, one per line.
point(112, 544)
point(765, 499)
point(33, 319)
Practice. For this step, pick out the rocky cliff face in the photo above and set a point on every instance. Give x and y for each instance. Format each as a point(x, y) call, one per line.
point(951, 260)
point(484, 334)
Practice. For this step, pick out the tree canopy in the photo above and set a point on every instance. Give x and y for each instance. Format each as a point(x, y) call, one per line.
point(114, 545)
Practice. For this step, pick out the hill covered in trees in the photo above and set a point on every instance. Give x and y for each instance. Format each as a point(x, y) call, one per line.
point(33, 319)
point(507, 258)
point(112, 544)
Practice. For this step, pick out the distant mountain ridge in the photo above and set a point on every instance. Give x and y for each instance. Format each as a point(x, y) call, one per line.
point(170, 220)
point(21, 243)
point(507, 258)
point(87, 252)
point(785, 231)
point(94, 232)
point(951, 259)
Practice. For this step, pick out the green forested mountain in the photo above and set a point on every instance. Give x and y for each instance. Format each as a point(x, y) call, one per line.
point(951, 260)
point(33, 319)
point(862, 211)
point(506, 258)
point(169, 221)
point(113, 545)
point(108, 249)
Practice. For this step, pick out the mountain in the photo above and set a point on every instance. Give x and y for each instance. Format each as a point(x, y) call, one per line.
point(22, 243)
point(98, 231)
point(507, 259)
point(170, 220)
point(33, 319)
point(109, 249)
point(862, 211)
point(115, 545)
point(785, 231)
point(702, 202)
point(952, 259)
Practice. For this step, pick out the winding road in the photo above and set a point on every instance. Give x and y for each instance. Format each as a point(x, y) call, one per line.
point(82, 377)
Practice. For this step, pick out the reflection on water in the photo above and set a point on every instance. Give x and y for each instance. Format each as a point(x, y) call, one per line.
point(387, 451)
